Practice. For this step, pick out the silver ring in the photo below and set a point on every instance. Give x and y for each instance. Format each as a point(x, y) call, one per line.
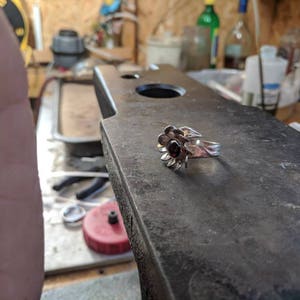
point(178, 145)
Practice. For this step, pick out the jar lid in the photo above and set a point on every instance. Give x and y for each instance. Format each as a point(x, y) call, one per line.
point(268, 52)
point(209, 2)
point(104, 230)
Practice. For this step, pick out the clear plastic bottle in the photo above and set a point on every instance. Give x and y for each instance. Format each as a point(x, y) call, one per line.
point(239, 43)
point(273, 69)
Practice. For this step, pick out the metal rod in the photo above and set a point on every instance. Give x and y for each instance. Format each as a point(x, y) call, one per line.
point(79, 174)
point(261, 81)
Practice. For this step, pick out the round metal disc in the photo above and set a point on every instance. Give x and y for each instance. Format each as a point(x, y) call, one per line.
point(73, 213)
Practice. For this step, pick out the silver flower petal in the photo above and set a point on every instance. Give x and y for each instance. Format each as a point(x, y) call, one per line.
point(165, 157)
point(190, 132)
point(163, 150)
point(171, 162)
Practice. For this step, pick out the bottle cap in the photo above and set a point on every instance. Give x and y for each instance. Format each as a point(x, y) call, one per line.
point(268, 52)
point(209, 2)
point(104, 230)
point(243, 6)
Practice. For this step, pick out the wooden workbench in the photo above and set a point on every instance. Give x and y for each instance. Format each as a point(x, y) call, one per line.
point(61, 280)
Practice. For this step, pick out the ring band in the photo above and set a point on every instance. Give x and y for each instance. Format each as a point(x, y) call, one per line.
point(178, 145)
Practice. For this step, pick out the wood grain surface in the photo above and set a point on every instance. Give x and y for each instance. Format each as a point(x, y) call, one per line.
point(172, 15)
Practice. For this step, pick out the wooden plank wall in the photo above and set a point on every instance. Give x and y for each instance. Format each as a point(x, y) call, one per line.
point(287, 15)
point(57, 14)
point(168, 15)
point(173, 15)
point(277, 16)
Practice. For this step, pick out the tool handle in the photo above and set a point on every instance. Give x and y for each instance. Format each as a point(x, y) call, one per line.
point(74, 179)
point(97, 184)
point(67, 181)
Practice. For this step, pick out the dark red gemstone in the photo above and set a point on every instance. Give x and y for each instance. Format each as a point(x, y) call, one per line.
point(174, 148)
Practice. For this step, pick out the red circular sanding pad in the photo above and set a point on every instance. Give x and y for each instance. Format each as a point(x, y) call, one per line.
point(100, 235)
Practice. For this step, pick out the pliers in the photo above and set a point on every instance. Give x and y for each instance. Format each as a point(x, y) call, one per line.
point(97, 185)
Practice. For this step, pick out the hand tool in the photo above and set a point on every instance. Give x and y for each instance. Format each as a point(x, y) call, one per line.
point(98, 184)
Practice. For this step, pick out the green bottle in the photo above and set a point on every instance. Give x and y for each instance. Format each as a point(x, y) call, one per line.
point(210, 19)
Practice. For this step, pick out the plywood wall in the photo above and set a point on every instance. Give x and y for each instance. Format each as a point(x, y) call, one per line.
point(159, 16)
point(286, 15)
point(57, 14)
point(276, 17)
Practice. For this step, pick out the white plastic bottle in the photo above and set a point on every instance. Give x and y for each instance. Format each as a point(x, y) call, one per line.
point(273, 69)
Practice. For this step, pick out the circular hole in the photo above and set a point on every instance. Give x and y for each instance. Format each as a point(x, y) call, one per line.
point(160, 91)
point(130, 76)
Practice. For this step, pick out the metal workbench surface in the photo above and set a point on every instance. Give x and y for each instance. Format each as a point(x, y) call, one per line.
point(224, 228)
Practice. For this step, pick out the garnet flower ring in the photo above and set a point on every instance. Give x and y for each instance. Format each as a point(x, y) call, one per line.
point(178, 145)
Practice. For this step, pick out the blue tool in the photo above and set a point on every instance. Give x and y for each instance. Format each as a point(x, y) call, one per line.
point(110, 7)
